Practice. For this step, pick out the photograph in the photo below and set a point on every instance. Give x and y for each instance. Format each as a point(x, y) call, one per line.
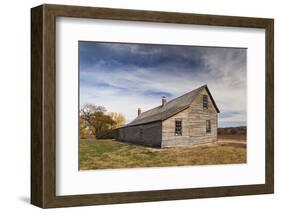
point(147, 105)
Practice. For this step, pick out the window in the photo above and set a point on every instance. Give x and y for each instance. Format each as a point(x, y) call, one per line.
point(205, 102)
point(141, 133)
point(208, 126)
point(178, 127)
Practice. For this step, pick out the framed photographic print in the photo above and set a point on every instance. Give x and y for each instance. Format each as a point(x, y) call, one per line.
point(136, 106)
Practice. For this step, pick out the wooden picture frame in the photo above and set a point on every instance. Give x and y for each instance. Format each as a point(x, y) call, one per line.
point(43, 105)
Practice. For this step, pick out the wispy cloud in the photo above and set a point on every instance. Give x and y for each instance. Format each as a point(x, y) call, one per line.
point(124, 77)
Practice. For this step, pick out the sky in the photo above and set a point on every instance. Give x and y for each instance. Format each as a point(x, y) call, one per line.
point(124, 77)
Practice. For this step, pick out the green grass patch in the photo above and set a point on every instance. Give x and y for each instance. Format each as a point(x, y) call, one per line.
point(111, 154)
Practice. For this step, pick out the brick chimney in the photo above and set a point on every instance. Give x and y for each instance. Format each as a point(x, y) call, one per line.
point(164, 100)
point(139, 111)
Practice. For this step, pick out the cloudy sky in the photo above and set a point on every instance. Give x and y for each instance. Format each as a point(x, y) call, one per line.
point(123, 77)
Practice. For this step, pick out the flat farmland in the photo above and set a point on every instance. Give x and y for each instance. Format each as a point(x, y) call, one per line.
point(112, 154)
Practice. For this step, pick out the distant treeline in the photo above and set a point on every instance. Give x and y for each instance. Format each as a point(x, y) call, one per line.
point(241, 130)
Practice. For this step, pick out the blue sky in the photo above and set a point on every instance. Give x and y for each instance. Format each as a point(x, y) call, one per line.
point(123, 77)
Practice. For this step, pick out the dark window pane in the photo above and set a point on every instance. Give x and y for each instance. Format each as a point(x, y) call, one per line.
point(178, 127)
point(141, 133)
point(208, 126)
point(205, 102)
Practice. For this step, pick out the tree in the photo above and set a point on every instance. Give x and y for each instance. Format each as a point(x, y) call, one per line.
point(87, 111)
point(83, 129)
point(95, 121)
point(118, 118)
point(101, 122)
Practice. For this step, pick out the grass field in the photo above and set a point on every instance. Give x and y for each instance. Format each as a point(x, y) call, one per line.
point(109, 154)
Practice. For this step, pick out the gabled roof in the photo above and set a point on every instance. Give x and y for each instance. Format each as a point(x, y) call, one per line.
point(171, 108)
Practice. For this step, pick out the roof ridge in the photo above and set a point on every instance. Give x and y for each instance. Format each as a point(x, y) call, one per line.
point(170, 108)
point(149, 110)
point(169, 102)
point(199, 88)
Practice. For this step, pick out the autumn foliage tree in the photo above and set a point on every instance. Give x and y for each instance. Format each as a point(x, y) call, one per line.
point(84, 131)
point(118, 118)
point(95, 121)
point(101, 122)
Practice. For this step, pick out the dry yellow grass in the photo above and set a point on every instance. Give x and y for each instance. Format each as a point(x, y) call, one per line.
point(111, 154)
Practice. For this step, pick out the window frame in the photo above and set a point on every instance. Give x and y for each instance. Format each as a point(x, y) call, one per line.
point(205, 102)
point(141, 133)
point(178, 132)
point(208, 126)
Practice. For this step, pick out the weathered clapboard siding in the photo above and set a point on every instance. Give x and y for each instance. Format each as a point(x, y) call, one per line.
point(169, 139)
point(197, 117)
point(148, 134)
point(193, 125)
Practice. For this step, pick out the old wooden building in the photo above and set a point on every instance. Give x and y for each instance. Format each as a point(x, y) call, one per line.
point(186, 120)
